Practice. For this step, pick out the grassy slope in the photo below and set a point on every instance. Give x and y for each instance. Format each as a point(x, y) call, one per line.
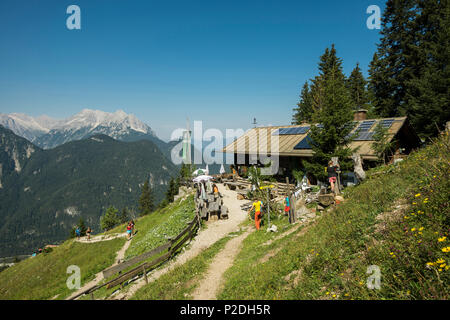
point(152, 231)
point(45, 275)
point(330, 260)
point(163, 223)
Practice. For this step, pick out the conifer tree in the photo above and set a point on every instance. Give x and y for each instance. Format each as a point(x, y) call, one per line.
point(146, 200)
point(123, 217)
point(357, 86)
point(331, 137)
point(410, 73)
point(428, 94)
point(109, 219)
point(171, 190)
point(82, 226)
point(303, 112)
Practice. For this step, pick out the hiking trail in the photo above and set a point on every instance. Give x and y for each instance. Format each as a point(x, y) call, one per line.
point(205, 238)
point(99, 276)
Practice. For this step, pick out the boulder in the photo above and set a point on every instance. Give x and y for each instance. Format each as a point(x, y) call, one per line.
point(326, 199)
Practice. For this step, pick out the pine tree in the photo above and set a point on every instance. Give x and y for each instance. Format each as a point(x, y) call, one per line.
point(331, 138)
point(428, 94)
point(393, 58)
point(317, 92)
point(410, 74)
point(304, 111)
point(146, 201)
point(357, 86)
point(171, 191)
point(82, 226)
point(109, 219)
point(123, 217)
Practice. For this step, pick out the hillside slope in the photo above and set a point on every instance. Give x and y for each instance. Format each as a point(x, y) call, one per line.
point(396, 222)
point(78, 179)
point(45, 276)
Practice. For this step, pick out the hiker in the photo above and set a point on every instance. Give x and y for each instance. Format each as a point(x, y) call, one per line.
point(287, 206)
point(132, 227)
point(332, 174)
point(78, 232)
point(88, 233)
point(257, 205)
point(129, 230)
point(215, 190)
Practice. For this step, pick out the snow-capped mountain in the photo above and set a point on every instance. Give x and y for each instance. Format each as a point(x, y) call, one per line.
point(49, 133)
point(25, 126)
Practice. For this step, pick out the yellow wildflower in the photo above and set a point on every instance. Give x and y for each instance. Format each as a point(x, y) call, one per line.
point(417, 195)
point(446, 249)
point(442, 239)
point(413, 229)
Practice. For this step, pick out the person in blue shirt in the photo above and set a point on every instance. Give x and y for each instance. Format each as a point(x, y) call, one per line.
point(78, 232)
point(287, 206)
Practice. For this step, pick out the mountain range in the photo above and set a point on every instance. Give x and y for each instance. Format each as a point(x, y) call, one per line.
point(43, 193)
point(52, 172)
point(47, 133)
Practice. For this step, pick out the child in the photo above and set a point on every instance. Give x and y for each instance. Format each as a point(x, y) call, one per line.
point(287, 206)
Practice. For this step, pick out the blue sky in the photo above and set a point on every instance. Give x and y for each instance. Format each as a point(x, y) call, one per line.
point(223, 62)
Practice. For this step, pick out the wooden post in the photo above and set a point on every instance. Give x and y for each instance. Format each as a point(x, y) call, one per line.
point(145, 274)
point(288, 194)
point(268, 206)
point(92, 295)
point(337, 190)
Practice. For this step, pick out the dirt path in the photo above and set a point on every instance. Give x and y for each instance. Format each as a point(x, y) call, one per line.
point(210, 285)
point(214, 231)
point(100, 238)
point(99, 276)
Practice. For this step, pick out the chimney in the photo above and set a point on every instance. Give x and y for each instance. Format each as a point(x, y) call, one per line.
point(360, 115)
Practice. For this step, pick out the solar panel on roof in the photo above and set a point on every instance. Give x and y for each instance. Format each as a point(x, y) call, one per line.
point(387, 123)
point(292, 131)
point(301, 130)
point(304, 144)
point(365, 126)
point(364, 136)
